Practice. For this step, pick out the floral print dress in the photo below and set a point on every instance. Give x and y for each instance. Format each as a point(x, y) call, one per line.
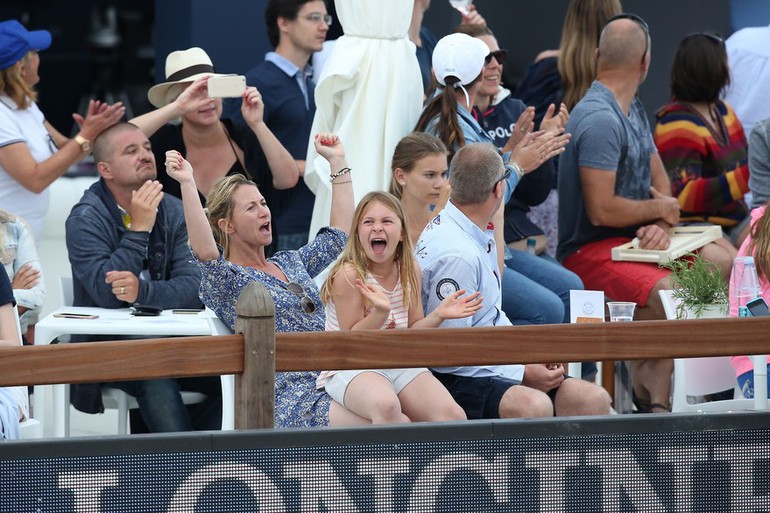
point(297, 402)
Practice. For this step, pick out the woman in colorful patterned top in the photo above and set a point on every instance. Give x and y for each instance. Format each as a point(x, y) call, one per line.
point(701, 141)
point(229, 247)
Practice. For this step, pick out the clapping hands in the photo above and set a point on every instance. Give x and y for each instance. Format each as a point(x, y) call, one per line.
point(374, 296)
point(99, 117)
point(555, 121)
point(454, 306)
point(538, 147)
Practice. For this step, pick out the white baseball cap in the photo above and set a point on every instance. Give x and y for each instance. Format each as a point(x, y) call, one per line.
point(459, 55)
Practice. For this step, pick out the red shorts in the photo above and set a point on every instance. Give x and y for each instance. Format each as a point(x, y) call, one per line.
point(620, 281)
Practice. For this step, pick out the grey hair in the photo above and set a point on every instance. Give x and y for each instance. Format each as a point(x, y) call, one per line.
point(473, 173)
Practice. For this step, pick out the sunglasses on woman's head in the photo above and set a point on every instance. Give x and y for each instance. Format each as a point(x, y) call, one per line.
point(499, 56)
point(304, 299)
point(716, 38)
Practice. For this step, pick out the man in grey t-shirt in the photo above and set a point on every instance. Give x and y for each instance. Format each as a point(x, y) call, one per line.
point(613, 187)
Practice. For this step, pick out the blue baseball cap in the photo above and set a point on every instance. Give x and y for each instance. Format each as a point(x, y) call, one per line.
point(16, 41)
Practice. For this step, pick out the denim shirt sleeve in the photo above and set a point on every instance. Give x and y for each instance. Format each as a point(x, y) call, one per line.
point(511, 183)
point(474, 135)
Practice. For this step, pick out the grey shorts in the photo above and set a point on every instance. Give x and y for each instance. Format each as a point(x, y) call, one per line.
point(337, 383)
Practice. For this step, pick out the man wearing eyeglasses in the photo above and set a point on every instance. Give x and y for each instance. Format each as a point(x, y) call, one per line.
point(296, 29)
point(457, 251)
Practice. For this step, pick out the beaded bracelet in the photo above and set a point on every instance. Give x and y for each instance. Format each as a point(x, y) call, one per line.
point(343, 171)
point(340, 183)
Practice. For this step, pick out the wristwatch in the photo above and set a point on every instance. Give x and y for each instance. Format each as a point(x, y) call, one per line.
point(85, 144)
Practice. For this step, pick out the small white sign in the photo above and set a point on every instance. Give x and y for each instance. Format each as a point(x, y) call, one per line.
point(586, 306)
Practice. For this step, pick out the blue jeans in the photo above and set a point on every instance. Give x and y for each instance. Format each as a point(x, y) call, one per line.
point(163, 410)
point(536, 289)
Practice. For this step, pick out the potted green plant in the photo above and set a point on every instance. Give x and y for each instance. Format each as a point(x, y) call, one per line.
point(699, 289)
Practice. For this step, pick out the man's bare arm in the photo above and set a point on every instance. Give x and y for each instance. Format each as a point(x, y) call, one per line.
point(604, 208)
point(658, 176)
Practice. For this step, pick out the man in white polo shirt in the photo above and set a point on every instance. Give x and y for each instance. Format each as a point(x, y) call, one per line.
point(457, 252)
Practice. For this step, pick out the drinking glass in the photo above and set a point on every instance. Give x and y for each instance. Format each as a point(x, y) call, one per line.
point(622, 311)
point(461, 5)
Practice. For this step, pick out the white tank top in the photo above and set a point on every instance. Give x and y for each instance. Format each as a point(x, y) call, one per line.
point(398, 318)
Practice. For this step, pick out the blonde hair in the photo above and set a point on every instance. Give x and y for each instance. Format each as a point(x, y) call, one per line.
point(409, 150)
point(759, 246)
point(353, 255)
point(220, 205)
point(583, 24)
point(13, 84)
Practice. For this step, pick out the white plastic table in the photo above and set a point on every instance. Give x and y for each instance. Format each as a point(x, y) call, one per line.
point(117, 322)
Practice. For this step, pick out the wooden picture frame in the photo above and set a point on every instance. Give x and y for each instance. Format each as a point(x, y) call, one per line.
point(683, 240)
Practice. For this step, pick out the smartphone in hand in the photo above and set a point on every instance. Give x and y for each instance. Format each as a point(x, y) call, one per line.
point(226, 86)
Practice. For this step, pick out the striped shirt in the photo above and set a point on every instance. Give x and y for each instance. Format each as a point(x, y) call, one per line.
point(708, 170)
point(398, 318)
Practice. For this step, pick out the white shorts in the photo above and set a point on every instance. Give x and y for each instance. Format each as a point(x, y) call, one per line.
point(337, 383)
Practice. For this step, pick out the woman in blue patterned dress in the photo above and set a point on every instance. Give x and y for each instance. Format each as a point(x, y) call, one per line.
point(229, 247)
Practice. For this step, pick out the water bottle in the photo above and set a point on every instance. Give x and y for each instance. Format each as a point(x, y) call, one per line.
point(531, 242)
point(745, 283)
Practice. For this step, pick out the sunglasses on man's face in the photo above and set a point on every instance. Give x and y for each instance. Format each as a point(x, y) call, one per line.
point(499, 56)
point(304, 299)
point(506, 174)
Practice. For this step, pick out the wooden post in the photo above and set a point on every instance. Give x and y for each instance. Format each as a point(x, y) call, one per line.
point(608, 377)
point(255, 388)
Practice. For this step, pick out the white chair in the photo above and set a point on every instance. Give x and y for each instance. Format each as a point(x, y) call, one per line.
point(29, 427)
point(228, 381)
point(66, 294)
point(697, 377)
point(113, 398)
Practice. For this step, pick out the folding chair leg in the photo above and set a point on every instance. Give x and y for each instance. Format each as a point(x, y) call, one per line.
point(123, 414)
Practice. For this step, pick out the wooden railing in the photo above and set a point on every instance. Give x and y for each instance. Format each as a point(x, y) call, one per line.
point(253, 358)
